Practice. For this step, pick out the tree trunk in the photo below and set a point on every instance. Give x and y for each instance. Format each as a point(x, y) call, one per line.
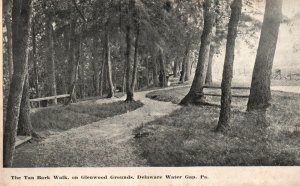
point(81, 79)
point(135, 60)
point(95, 66)
point(102, 83)
point(124, 81)
point(195, 95)
point(108, 65)
point(188, 66)
point(21, 24)
point(260, 92)
point(183, 69)
point(74, 75)
point(71, 62)
point(24, 124)
point(121, 48)
point(35, 65)
point(8, 25)
point(147, 71)
point(51, 75)
point(175, 68)
point(224, 118)
point(208, 78)
point(162, 71)
point(129, 92)
point(154, 69)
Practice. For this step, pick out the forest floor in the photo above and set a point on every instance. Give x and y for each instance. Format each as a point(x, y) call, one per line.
point(108, 142)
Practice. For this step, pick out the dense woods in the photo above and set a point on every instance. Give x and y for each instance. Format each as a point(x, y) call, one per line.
point(97, 48)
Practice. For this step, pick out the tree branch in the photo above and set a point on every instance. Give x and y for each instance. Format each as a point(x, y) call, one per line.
point(78, 10)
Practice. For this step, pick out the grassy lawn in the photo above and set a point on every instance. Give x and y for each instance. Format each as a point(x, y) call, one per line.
point(186, 137)
point(285, 82)
point(75, 115)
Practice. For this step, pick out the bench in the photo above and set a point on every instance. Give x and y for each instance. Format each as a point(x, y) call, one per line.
point(215, 87)
point(22, 139)
point(48, 98)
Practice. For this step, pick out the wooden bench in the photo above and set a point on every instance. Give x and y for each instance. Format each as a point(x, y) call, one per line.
point(22, 139)
point(48, 98)
point(237, 88)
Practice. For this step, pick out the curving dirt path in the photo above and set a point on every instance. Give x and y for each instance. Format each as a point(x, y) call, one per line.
point(104, 143)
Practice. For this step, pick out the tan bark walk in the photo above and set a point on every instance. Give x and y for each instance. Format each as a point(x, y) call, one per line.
point(107, 142)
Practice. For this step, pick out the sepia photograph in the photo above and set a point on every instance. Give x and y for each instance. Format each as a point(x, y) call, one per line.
point(148, 84)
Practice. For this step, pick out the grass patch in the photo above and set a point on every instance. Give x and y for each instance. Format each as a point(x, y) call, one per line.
point(172, 95)
point(116, 95)
point(76, 115)
point(186, 137)
point(285, 82)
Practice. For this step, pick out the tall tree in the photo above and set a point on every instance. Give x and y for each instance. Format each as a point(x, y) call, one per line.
point(21, 26)
point(183, 69)
point(195, 95)
point(75, 67)
point(175, 67)
point(129, 10)
point(121, 46)
point(260, 92)
point(185, 75)
point(72, 63)
point(135, 59)
point(154, 68)
point(35, 62)
point(208, 78)
point(95, 65)
point(24, 124)
point(188, 66)
point(102, 77)
point(52, 74)
point(224, 118)
point(7, 6)
point(147, 71)
point(108, 64)
point(162, 71)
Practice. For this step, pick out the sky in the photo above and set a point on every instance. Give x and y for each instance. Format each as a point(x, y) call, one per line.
point(287, 56)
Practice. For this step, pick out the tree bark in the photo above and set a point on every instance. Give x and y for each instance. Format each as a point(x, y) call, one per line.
point(208, 78)
point(21, 26)
point(260, 92)
point(147, 71)
point(183, 69)
point(162, 71)
point(71, 62)
point(224, 118)
point(154, 69)
point(129, 92)
point(8, 24)
point(24, 124)
point(188, 66)
point(135, 60)
point(35, 63)
point(81, 79)
point(175, 68)
point(74, 75)
point(102, 82)
point(51, 75)
point(195, 95)
point(108, 65)
point(96, 69)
